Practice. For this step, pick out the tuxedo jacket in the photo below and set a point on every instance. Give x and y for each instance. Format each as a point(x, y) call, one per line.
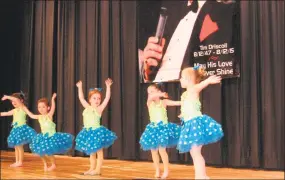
point(219, 13)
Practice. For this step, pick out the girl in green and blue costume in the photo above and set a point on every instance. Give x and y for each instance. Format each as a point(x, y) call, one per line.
point(198, 129)
point(21, 133)
point(159, 134)
point(94, 137)
point(49, 142)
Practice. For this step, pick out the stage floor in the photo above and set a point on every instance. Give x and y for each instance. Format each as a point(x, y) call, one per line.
point(71, 167)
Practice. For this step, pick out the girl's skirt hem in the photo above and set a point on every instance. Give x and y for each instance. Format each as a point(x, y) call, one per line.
point(201, 130)
point(58, 143)
point(160, 136)
point(21, 135)
point(91, 140)
point(187, 149)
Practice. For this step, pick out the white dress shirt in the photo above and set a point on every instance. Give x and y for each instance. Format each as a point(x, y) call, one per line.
point(175, 52)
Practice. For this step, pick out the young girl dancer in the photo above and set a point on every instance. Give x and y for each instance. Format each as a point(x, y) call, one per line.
point(159, 133)
point(94, 137)
point(197, 129)
point(48, 142)
point(21, 133)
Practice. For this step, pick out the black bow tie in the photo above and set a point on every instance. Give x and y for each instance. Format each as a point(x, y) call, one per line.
point(194, 6)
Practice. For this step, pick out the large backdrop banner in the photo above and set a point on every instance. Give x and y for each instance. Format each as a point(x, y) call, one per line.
point(197, 33)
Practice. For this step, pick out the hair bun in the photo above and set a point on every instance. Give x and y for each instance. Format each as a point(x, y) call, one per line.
point(202, 72)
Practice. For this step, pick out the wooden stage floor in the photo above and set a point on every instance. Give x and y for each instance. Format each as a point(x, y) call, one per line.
point(71, 167)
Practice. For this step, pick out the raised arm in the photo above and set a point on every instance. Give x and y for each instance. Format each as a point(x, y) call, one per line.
point(9, 113)
point(84, 103)
point(108, 83)
point(30, 114)
point(11, 98)
point(52, 108)
point(210, 80)
point(168, 102)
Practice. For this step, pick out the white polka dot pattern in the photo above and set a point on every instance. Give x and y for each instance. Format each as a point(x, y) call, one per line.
point(160, 135)
point(21, 135)
point(58, 143)
point(200, 130)
point(91, 140)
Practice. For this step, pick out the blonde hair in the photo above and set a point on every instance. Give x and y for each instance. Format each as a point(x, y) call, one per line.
point(157, 86)
point(198, 73)
point(92, 92)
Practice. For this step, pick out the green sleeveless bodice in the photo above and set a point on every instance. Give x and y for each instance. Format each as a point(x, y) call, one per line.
point(157, 112)
point(91, 118)
point(190, 108)
point(47, 125)
point(19, 117)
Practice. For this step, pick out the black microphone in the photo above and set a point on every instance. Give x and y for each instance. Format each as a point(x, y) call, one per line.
point(161, 24)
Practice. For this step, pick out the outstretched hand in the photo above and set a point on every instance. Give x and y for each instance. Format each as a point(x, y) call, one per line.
point(214, 79)
point(165, 95)
point(54, 96)
point(108, 82)
point(5, 97)
point(79, 84)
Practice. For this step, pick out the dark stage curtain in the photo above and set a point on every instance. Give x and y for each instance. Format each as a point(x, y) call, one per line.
point(88, 41)
point(11, 19)
point(253, 105)
point(66, 41)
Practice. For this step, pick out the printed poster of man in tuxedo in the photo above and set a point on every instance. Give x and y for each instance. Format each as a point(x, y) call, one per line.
point(190, 26)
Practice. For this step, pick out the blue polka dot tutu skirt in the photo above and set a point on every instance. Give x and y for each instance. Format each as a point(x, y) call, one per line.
point(160, 135)
point(58, 143)
point(20, 135)
point(91, 140)
point(200, 130)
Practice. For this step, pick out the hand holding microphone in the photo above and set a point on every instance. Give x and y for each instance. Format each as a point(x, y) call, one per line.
point(153, 51)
